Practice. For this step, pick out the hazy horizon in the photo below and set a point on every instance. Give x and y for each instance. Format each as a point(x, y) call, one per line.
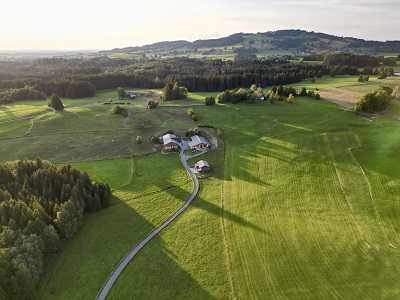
point(96, 25)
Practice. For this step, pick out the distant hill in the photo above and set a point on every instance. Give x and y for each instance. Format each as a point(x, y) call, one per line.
point(282, 42)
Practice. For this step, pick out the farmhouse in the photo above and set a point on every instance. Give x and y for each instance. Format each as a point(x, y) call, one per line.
point(130, 94)
point(198, 143)
point(202, 166)
point(170, 142)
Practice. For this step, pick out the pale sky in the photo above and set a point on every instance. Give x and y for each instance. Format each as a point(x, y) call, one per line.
point(99, 24)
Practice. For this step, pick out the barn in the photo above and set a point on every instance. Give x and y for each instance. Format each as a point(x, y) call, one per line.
point(170, 142)
point(198, 143)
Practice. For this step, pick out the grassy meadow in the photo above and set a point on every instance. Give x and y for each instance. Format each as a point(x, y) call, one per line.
point(302, 203)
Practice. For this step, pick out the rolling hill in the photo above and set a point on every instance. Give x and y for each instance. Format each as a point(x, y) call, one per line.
point(282, 42)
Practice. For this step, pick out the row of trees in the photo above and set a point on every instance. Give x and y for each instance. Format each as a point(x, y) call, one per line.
point(254, 93)
point(41, 204)
point(19, 94)
point(39, 90)
point(194, 74)
point(67, 88)
point(376, 101)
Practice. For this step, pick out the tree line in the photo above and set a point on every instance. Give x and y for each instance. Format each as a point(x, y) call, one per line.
point(41, 204)
point(257, 94)
point(194, 74)
point(39, 90)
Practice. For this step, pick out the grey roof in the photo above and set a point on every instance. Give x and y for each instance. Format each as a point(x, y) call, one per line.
point(169, 138)
point(197, 140)
point(202, 164)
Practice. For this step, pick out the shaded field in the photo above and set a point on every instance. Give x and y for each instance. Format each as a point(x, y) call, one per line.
point(79, 271)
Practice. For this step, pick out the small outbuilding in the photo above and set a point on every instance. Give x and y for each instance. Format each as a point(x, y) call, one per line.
point(198, 143)
point(202, 166)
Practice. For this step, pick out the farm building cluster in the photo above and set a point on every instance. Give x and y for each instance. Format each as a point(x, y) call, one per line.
point(171, 142)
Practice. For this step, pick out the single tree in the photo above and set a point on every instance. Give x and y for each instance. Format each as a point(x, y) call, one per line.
point(56, 103)
point(210, 101)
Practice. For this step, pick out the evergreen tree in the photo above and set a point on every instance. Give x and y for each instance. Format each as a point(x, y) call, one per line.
point(56, 103)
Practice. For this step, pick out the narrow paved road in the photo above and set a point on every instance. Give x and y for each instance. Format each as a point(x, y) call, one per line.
point(105, 290)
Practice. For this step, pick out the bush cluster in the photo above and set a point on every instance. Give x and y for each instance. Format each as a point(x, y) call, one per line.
point(363, 78)
point(376, 101)
point(172, 91)
point(152, 104)
point(250, 95)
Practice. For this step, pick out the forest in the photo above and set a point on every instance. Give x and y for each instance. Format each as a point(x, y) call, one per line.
point(41, 205)
point(78, 78)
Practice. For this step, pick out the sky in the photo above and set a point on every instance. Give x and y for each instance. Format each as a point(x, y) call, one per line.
point(99, 24)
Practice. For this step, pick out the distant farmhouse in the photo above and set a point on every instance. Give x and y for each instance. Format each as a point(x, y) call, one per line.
point(202, 166)
point(170, 142)
point(130, 95)
point(198, 143)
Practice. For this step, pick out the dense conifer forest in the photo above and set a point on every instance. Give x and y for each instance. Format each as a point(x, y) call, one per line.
point(41, 205)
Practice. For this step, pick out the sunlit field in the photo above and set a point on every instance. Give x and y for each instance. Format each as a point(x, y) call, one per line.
point(302, 203)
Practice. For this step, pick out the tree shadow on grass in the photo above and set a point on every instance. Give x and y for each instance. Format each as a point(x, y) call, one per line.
point(81, 269)
point(214, 209)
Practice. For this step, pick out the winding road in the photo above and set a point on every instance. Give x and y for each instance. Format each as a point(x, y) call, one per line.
point(105, 290)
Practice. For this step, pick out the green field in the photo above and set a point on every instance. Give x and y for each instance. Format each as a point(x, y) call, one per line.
point(303, 201)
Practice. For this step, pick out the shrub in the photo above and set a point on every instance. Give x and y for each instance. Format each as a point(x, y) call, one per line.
point(311, 94)
point(194, 117)
point(118, 110)
point(376, 101)
point(290, 99)
point(209, 101)
point(190, 112)
point(139, 140)
point(317, 96)
point(151, 104)
point(382, 76)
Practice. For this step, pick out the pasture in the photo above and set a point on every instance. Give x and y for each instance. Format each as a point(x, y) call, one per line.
point(303, 201)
